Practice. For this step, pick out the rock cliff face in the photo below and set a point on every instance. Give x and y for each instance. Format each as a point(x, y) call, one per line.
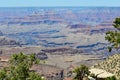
point(77, 26)
point(1, 34)
point(6, 41)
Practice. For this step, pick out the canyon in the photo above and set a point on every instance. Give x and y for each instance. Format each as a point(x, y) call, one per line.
point(56, 31)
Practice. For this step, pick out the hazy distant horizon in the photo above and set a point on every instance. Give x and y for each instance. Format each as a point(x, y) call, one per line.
point(59, 6)
point(61, 3)
point(55, 6)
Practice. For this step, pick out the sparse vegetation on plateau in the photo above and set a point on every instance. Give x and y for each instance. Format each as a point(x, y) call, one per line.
point(111, 64)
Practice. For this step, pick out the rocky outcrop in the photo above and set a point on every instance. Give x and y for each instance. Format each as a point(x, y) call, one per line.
point(5, 41)
point(41, 56)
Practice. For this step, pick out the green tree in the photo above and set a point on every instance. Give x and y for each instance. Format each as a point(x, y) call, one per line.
point(3, 74)
point(19, 68)
point(34, 76)
point(114, 36)
point(111, 78)
point(81, 72)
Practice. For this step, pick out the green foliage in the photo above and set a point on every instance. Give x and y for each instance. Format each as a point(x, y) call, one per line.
point(111, 78)
point(3, 74)
point(92, 75)
point(114, 36)
point(81, 72)
point(34, 76)
point(19, 69)
point(116, 23)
